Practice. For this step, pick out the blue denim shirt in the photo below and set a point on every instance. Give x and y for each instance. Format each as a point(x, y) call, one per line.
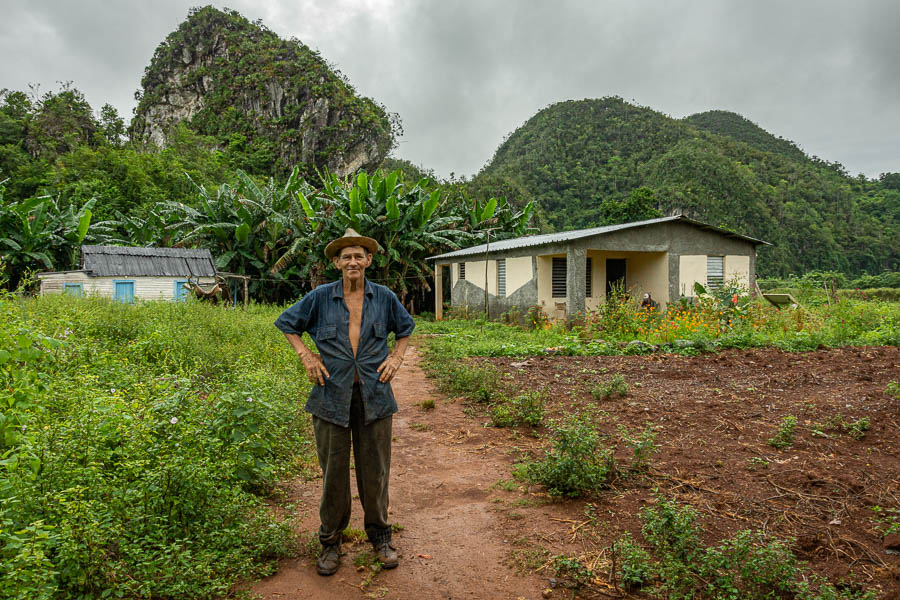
point(323, 314)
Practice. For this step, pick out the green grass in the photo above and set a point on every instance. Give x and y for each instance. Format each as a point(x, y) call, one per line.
point(707, 327)
point(147, 438)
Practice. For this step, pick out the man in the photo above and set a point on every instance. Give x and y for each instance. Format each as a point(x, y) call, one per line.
point(351, 400)
point(648, 303)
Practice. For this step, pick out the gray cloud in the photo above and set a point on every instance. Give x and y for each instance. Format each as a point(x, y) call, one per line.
point(462, 74)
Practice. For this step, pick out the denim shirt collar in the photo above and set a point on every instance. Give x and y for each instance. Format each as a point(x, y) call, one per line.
point(338, 291)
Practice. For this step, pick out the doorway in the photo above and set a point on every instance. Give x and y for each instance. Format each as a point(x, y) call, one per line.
point(615, 275)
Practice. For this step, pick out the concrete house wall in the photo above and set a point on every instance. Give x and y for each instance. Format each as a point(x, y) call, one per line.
point(664, 258)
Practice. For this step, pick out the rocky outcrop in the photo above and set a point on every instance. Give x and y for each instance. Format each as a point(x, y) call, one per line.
point(276, 101)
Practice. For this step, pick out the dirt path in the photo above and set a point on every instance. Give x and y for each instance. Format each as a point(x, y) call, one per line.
point(452, 543)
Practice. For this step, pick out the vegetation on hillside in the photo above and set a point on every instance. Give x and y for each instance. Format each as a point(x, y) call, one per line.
point(733, 125)
point(578, 159)
point(275, 102)
point(585, 163)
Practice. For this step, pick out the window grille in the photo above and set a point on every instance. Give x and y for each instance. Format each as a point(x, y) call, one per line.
point(501, 277)
point(558, 283)
point(462, 270)
point(588, 278)
point(715, 272)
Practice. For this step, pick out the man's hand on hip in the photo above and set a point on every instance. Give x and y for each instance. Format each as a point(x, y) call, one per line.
point(315, 368)
point(389, 368)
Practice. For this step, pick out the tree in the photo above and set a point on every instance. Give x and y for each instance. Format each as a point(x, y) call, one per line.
point(112, 125)
point(62, 121)
point(35, 233)
point(639, 206)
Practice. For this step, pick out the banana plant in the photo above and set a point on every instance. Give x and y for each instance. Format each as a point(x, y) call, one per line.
point(35, 234)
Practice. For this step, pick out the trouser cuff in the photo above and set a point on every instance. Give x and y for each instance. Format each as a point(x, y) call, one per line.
point(331, 540)
point(379, 536)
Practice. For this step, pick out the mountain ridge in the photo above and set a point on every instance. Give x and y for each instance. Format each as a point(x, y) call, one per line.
point(577, 158)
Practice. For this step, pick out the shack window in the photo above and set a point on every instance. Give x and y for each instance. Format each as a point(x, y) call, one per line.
point(715, 272)
point(73, 289)
point(501, 277)
point(462, 270)
point(558, 282)
point(588, 278)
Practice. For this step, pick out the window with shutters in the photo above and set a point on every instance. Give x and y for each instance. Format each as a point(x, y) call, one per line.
point(501, 277)
point(588, 278)
point(715, 272)
point(558, 281)
point(462, 270)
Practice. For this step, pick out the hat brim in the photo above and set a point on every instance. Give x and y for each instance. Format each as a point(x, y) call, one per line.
point(342, 242)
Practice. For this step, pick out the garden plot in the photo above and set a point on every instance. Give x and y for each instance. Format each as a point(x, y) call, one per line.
point(801, 446)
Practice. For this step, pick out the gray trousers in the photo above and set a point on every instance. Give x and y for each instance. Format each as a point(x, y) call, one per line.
point(372, 457)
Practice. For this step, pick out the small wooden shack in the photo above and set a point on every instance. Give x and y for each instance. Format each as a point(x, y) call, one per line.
point(127, 273)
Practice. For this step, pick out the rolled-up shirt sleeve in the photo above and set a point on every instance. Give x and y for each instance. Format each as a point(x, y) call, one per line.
point(402, 323)
point(297, 318)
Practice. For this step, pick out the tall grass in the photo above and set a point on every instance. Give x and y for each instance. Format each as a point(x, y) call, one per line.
point(145, 447)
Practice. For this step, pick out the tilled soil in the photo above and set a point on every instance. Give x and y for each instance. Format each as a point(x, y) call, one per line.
point(468, 531)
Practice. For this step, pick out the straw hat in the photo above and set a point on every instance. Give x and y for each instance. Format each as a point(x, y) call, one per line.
point(350, 238)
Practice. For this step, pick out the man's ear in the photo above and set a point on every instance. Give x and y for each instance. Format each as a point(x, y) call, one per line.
point(369, 257)
point(336, 259)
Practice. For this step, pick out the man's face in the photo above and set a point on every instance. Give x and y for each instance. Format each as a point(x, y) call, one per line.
point(352, 261)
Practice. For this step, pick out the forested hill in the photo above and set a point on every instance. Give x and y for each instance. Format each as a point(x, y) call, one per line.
point(581, 161)
point(276, 101)
point(735, 126)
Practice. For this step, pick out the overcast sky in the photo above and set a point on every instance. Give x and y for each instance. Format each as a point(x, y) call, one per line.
point(463, 74)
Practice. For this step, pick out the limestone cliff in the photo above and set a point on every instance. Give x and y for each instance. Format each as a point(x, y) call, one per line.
point(275, 101)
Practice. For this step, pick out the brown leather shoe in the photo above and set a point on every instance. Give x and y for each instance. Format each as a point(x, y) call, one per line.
point(329, 560)
point(387, 555)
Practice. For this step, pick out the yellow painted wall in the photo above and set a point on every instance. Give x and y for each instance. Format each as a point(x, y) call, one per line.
point(737, 267)
point(644, 272)
point(545, 277)
point(475, 275)
point(518, 273)
point(648, 272)
point(598, 280)
point(691, 269)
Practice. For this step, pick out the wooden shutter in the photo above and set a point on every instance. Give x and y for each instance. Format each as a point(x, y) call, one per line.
point(558, 283)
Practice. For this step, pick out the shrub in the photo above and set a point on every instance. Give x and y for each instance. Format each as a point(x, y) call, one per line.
point(536, 318)
point(632, 562)
point(478, 383)
point(527, 408)
point(157, 427)
point(578, 462)
point(671, 528)
point(611, 387)
point(643, 446)
point(784, 437)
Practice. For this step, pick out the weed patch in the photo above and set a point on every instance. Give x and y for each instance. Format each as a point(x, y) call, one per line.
point(751, 564)
point(784, 437)
point(610, 388)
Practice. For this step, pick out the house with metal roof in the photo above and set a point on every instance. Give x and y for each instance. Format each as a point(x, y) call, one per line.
point(126, 273)
point(570, 272)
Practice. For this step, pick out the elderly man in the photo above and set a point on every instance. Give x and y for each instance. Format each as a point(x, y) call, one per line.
point(351, 400)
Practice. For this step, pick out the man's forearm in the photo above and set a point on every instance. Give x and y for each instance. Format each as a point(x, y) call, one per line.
point(299, 347)
point(400, 347)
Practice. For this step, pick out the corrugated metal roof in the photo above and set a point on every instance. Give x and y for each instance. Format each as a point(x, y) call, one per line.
point(124, 261)
point(566, 236)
